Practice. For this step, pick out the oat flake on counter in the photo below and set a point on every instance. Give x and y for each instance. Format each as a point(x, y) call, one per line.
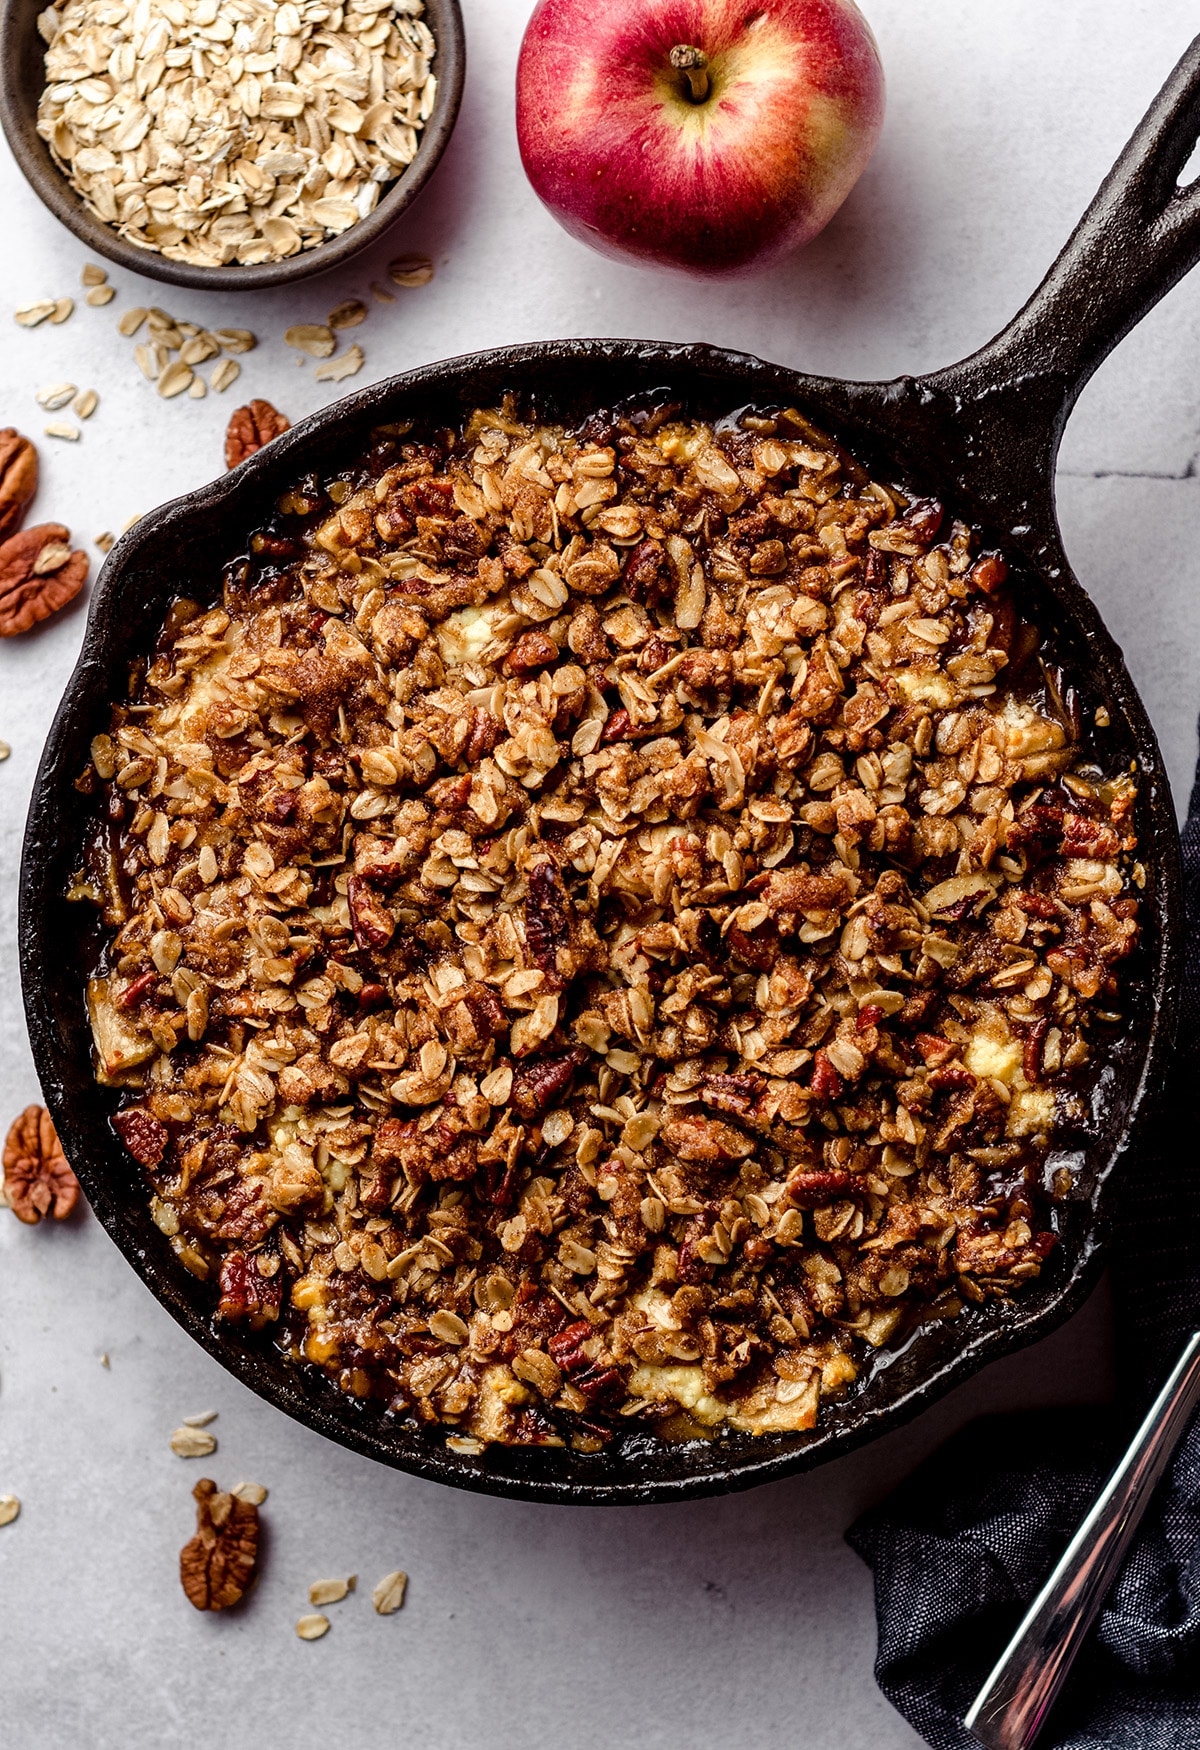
point(244, 132)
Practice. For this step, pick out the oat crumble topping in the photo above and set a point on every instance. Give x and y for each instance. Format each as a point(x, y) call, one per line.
point(604, 924)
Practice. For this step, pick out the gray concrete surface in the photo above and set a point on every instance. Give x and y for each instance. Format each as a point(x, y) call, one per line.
point(745, 1620)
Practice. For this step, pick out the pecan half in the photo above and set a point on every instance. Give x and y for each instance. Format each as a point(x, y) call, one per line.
point(18, 479)
point(250, 428)
point(29, 594)
point(37, 1180)
point(218, 1564)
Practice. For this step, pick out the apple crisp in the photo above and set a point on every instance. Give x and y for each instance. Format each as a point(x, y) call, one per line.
point(604, 925)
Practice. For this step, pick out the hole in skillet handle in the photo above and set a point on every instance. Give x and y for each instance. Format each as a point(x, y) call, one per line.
point(22, 80)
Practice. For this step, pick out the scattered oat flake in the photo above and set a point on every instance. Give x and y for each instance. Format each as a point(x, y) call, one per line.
point(388, 1595)
point(29, 315)
point(93, 274)
point(126, 526)
point(314, 338)
point(331, 1591)
point(225, 373)
point(56, 396)
point(348, 365)
point(198, 347)
point(236, 339)
point(62, 309)
point(411, 270)
point(104, 1361)
point(9, 1508)
point(201, 1420)
point(348, 314)
point(174, 380)
point(466, 1444)
point(382, 293)
point(107, 541)
point(5, 751)
point(193, 1442)
point(85, 403)
point(101, 295)
point(252, 1492)
point(131, 321)
point(60, 428)
point(197, 389)
point(311, 1628)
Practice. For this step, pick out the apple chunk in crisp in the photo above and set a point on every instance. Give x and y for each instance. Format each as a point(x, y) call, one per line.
point(605, 925)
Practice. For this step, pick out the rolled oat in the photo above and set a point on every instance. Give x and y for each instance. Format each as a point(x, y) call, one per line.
point(245, 132)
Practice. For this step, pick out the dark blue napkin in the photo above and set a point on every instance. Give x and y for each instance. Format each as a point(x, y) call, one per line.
point(961, 1548)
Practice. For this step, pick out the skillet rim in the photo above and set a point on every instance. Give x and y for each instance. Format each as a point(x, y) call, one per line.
point(873, 408)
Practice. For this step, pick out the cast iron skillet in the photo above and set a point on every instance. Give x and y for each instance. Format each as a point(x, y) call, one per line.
point(983, 436)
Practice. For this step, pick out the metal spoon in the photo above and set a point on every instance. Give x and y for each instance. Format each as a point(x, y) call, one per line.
point(1011, 1708)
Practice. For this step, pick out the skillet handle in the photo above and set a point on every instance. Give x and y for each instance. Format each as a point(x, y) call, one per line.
point(1138, 238)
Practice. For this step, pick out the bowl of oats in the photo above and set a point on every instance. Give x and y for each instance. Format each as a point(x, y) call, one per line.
point(599, 920)
point(229, 146)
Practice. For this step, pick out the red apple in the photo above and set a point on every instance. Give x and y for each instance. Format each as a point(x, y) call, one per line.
point(707, 135)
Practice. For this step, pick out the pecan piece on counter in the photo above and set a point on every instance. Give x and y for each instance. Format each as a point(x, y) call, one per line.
point(18, 479)
point(37, 1180)
point(39, 574)
point(218, 1564)
point(250, 428)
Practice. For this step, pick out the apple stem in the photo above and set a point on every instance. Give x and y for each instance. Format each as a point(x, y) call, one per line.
point(693, 64)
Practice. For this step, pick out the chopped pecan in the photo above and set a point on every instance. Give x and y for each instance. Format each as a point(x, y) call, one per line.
point(736, 1094)
point(601, 1386)
point(533, 650)
point(566, 1347)
point(372, 922)
point(142, 1134)
point(39, 574)
point(218, 1564)
point(826, 1082)
point(247, 1296)
point(547, 918)
point(37, 1180)
point(809, 1189)
point(539, 1080)
point(791, 890)
point(18, 479)
point(1035, 1043)
point(694, 1138)
point(1082, 837)
point(250, 428)
point(647, 571)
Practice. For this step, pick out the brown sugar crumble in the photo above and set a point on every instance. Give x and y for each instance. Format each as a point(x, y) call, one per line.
point(604, 924)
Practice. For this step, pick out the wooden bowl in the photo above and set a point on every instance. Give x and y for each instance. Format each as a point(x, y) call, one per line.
point(22, 80)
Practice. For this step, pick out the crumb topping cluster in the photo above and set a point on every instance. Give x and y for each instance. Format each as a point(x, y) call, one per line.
point(604, 925)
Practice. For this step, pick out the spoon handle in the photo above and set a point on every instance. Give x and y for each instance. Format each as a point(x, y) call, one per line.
point(1012, 1706)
